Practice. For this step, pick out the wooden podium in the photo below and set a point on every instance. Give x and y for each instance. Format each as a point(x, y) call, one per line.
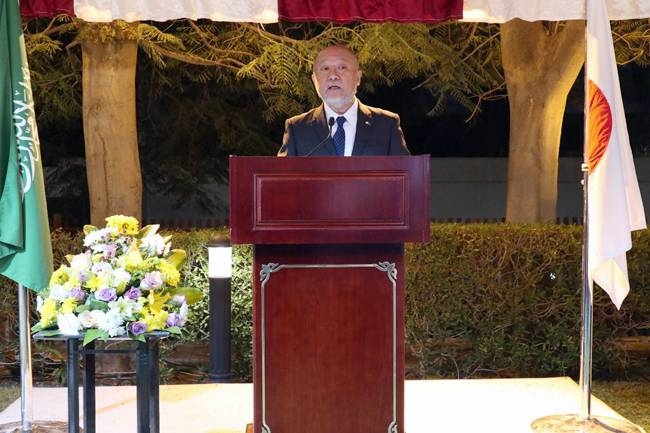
point(328, 291)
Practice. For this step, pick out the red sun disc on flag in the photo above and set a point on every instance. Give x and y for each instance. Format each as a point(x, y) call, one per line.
point(600, 125)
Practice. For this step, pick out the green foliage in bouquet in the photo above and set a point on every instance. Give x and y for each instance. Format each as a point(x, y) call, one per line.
point(125, 283)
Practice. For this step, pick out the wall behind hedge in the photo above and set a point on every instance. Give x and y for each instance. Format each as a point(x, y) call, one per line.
point(482, 300)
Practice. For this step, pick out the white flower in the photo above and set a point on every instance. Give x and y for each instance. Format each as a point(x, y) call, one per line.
point(98, 316)
point(39, 303)
point(152, 245)
point(112, 323)
point(81, 262)
point(121, 277)
point(59, 292)
point(88, 319)
point(126, 307)
point(102, 269)
point(137, 305)
point(97, 236)
point(68, 324)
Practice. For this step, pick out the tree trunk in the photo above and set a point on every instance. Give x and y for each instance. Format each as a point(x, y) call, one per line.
point(110, 133)
point(540, 68)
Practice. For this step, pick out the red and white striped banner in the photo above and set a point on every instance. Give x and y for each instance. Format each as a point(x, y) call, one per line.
point(267, 11)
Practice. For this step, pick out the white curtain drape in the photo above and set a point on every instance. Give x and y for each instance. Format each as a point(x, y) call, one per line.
point(260, 11)
point(266, 11)
point(499, 11)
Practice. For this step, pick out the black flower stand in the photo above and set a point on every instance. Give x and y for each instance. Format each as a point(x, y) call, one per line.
point(147, 379)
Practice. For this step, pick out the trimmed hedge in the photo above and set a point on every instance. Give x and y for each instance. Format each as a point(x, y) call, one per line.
point(482, 300)
point(505, 301)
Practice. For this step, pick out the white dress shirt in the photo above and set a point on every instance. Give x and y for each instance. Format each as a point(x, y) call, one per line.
point(350, 125)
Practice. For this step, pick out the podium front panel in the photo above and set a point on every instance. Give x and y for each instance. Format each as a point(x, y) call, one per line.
point(328, 339)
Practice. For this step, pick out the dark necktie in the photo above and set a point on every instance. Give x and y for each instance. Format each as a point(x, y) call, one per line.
point(339, 136)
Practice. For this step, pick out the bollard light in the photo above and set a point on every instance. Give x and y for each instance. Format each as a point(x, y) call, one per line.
point(220, 274)
point(220, 259)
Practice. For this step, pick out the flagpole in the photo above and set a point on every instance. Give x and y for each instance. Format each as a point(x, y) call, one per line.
point(583, 422)
point(586, 343)
point(26, 408)
point(586, 339)
point(26, 423)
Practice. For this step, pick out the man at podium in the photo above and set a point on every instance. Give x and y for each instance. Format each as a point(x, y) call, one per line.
point(341, 125)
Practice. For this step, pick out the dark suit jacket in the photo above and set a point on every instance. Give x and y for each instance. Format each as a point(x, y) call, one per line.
point(378, 134)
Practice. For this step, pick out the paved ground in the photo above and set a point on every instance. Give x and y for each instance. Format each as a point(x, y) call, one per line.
point(449, 406)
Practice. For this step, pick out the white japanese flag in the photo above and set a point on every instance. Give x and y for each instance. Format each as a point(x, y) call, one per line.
point(614, 200)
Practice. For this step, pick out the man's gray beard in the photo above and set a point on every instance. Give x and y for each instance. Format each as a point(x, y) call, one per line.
point(338, 104)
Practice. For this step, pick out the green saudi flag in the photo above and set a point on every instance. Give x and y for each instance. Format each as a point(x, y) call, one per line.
point(25, 248)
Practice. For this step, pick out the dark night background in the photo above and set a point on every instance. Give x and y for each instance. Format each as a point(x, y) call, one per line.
point(449, 135)
point(445, 135)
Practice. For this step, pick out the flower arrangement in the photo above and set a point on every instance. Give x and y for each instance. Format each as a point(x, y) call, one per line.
point(125, 283)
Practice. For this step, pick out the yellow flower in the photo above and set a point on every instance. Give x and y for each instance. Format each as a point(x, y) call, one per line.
point(150, 264)
point(73, 281)
point(131, 261)
point(59, 276)
point(156, 301)
point(48, 313)
point(121, 287)
point(154, 320)
point(94, 282)
point(68, 306)
point(154, 314)
point(124, 225)
point(171, 275)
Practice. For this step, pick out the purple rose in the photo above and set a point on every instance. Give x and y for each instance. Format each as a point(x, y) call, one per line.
point(151, 280)
point(138, 328)
point(77, 294)
point(133, 293)
point(106, 294)
point(109, 251)
point(174, 319)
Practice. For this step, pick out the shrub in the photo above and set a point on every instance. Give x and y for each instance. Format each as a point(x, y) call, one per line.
point(195, 274)
point(482, 300)
point(505, 301)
